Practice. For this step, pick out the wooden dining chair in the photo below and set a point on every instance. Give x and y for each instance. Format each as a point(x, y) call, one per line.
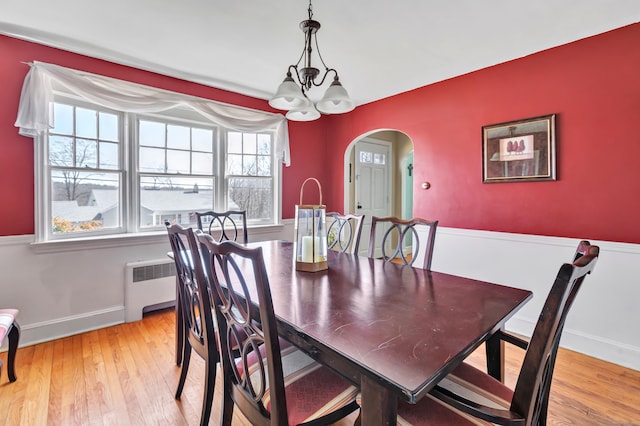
point(408, 242)
point(272, 382)
point(470, 396)
point(10, 329)
point(229, 225)
point(343, 232)
point(197, 327)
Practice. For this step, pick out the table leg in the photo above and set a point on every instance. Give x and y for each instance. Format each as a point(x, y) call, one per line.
point(495, 357)
point(379, 405)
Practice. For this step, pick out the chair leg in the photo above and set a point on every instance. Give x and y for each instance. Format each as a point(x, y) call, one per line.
point(227, 402)
point(14, 338)
point(209, 386)
point(186, 358)
point(180, 334)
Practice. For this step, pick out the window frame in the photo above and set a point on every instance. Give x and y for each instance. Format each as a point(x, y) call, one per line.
point(136, 173)
point(130, 227)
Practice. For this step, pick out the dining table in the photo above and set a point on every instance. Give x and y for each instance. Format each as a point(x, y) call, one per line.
point(394, 331)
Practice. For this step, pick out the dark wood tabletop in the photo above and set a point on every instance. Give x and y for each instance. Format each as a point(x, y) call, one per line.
point(394, 330)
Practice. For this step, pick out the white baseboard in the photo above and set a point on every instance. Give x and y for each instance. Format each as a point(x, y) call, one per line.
point(595, 346)
point(607, 350)
point(45, 331)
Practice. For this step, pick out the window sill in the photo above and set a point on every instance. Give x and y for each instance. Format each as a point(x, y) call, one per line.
point(127, 240)
point(103, 241)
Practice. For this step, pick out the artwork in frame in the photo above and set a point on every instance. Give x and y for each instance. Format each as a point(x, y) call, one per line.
point(518, 151)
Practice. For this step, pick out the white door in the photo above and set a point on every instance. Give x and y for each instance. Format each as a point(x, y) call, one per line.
point(373, 184)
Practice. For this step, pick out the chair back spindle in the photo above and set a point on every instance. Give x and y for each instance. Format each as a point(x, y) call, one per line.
point(230, 225)
point(409, 242)
point(343, 232)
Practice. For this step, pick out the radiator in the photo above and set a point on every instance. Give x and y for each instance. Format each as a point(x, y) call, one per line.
point(149, 285)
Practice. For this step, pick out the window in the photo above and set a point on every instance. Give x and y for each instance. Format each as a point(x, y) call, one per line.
point(84, 153)
point(250, 170)
point(369, 157)
point(111, 172)
point(176, 171)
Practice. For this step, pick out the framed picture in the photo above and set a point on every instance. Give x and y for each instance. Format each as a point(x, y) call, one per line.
point(518, 151)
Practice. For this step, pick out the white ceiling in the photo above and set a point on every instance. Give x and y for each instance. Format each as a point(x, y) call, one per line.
point(379, 47)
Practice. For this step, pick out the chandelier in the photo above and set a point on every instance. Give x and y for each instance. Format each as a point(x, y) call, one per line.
point(292, 94)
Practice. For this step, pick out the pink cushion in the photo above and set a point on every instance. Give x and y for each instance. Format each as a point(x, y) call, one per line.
point(311, 389)
point(465, 381)
point(7, 316)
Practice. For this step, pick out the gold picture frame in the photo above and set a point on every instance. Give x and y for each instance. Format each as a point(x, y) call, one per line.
point(519, 151)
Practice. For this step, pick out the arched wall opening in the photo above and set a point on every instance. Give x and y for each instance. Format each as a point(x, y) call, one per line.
point(395, 190)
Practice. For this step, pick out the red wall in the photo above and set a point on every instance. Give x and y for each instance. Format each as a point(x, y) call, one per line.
point(593, 86)
point(16, 158)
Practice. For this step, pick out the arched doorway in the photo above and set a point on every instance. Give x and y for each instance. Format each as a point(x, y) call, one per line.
point(378, 170)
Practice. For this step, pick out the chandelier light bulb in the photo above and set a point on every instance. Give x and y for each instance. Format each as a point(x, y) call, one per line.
point(306, 113)
point(336, 100)
point(288, 96)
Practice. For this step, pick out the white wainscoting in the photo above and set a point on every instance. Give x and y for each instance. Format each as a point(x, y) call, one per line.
point(604, 318)
point(64, 289)
point(60, 293)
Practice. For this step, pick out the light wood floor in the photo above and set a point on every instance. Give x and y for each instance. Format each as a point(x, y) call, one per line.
point(126, 375)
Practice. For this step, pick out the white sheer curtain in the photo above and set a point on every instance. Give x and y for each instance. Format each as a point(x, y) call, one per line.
point(35, 113)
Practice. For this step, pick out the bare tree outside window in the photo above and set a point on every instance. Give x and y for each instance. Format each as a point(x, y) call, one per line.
point(250, 177)
point(83, 148)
